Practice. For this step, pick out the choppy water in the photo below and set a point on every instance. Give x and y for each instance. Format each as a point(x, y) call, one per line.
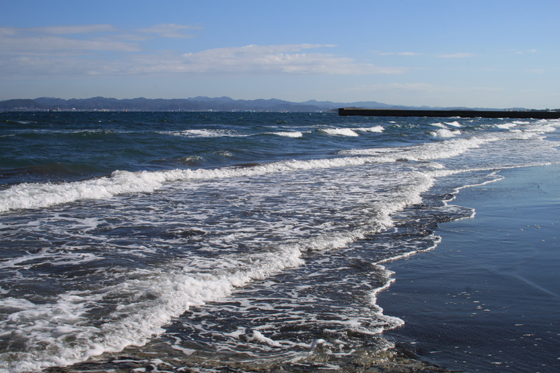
point(212, 240)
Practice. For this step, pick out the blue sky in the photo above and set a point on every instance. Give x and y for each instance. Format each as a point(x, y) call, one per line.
point(491, 53)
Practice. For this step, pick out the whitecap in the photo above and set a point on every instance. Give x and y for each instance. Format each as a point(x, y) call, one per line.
point(295, 134)
point(203, 133)
point(454, 124)
point(441, 125)
point(506, 126)
point(377, 129)
point(338, 132)
point(445, 133)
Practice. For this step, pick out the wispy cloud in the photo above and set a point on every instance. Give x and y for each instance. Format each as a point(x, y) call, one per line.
point(279, 59)
point(105, 37)
point(55, 45)
point(105, 50)
point(55, 40)
point(71, 30)
point(457, 55)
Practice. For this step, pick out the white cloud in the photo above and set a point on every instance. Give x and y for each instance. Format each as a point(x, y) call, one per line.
point(53, 45)
point(8, 31)
point(54, 40)
point(82, 50)
point(80, 58)
point(277, 59)
point(70, 30)
point(457, 55)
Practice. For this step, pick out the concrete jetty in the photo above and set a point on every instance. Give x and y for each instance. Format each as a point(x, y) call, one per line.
point(537, 114)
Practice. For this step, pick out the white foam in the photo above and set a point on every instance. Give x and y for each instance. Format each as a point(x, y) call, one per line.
point(34, 195)
point(295, 134)
point(53, 258)
point(134, 323)
point(446, 133)
point(376, 129)
point(339, 132)
point(454, 124)
point(257, 336)
point(427, 151)
point(203, 133)
point(506, 126)
point(150, 299)
point(542, 127)
point(193, 158)
point(441, 125)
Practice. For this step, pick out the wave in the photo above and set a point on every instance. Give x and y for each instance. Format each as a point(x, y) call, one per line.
point(295, 134)
point(506, 126)
point(376, 129)
point(427, 151)
point(454, 124)
point(41, 195)
point(192, 160)
point(94, 133)
point(441, 125)
point(338, 132)
point(152, 299)
point(203, 133)
point(446, 133)
point(38, 195)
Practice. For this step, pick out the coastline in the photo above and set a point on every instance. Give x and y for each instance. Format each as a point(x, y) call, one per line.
point(487, 298)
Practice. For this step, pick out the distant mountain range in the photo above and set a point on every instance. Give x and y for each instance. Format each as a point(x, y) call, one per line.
point(194, 104)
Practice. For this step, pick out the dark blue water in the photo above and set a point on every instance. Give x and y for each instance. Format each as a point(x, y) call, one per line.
point(70, 146)
point(215, 240)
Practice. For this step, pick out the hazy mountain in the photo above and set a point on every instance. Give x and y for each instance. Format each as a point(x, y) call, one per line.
point(195, 104)
point(20, 104)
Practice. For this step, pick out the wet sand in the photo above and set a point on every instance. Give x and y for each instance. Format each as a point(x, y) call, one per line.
point(487, 299)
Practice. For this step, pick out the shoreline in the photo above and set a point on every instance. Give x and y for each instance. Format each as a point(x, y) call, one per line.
point(487, 298)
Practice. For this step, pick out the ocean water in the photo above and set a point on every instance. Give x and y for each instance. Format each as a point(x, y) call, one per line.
point(241, 241)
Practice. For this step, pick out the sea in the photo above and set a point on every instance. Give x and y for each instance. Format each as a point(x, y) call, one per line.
point(227, 241)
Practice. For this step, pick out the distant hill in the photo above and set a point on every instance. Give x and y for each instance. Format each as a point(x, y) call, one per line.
point(194, 104)
point(21, 104)
point(188, 104)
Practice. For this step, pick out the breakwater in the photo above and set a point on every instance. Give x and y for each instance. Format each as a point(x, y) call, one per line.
point(537, 114)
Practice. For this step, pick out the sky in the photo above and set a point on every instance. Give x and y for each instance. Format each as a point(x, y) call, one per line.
point(486, 54)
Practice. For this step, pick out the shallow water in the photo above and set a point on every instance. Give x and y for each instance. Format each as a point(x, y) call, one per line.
point(487, 299)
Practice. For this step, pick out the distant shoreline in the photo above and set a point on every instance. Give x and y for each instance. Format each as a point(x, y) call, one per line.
point(219, 104)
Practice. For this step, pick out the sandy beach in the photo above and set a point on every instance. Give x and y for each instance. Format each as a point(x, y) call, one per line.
point(487, 298)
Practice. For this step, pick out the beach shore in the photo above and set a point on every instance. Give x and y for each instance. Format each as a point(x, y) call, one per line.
point(487, 298)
